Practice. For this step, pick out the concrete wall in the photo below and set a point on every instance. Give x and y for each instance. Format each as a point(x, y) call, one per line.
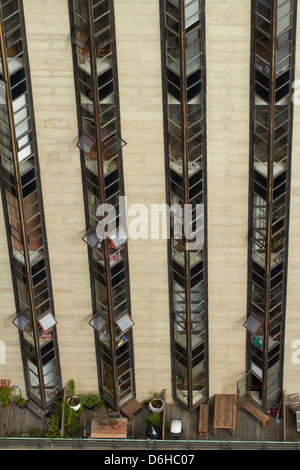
point(228, 61)
point(139, 69)
point(10, 355)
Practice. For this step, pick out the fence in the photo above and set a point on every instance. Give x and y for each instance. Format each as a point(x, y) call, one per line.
point(139, 444)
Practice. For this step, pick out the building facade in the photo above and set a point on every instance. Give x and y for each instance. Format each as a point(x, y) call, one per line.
point(159, 102)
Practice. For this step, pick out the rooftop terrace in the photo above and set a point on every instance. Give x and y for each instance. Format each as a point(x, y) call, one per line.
point(249, 434)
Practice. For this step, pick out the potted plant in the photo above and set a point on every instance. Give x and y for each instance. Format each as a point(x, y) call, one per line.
point(21, 402)
point(146, 403)
point(98, 401)
point(73, 400)
point(156, 404)
point(54, 427)
point(103, 424)
point(114, 423)
point(6, 396)
point(91, 401)
point(154, 424)
point(72, 423)
point(155, 419)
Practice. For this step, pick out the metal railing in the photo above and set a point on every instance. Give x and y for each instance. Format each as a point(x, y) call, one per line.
point(141, 444)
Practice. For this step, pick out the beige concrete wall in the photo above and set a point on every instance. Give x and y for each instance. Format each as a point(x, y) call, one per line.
point(139, 68)
point(48, 35)
point(10, 355)
point(292, 337)
point(228, 59)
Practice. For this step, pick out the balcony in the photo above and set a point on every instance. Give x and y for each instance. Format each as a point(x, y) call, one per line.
point(249, 434)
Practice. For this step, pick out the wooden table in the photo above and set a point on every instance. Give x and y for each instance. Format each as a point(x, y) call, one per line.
point(225, 412)
point(97, 432)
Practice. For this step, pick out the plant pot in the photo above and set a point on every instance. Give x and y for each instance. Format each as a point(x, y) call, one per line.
point(74, 403)
point(156, 405)
point(152, 432)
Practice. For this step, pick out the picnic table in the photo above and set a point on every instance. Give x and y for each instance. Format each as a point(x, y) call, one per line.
point(224, 412)
point(98, 432)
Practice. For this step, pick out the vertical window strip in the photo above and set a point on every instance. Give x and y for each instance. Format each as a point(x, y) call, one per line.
point(100, 143)
point(273, 56)
point(23, 211)
point(183, 42)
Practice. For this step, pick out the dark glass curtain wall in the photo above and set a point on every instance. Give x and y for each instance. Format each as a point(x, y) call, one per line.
point(23, 212)
point(100, 143)
point(271, 108)
point(184, 101)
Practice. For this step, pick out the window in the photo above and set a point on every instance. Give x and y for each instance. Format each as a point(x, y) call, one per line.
point(183, 43)
point(100, 143)
point(23, 211)
point(273, 56)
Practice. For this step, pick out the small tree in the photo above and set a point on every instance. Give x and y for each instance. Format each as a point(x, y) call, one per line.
point(6, 396)
point(72, 388)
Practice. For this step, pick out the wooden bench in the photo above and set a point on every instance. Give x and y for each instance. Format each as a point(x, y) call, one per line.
point(203, 420)
point(254, 411)
point(131, 409)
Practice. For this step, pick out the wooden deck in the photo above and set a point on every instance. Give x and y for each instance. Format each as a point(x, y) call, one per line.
point(16, 421)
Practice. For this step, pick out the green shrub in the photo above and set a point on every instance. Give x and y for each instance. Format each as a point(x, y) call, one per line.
point(72, 388)
point(91, 401)
point(54, 423)
point(20, 401)
point(72, 424)
point(6, 396)
point(155, 419)
point(35, 432)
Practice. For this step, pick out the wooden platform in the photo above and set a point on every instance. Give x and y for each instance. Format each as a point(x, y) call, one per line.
point(17, 421)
